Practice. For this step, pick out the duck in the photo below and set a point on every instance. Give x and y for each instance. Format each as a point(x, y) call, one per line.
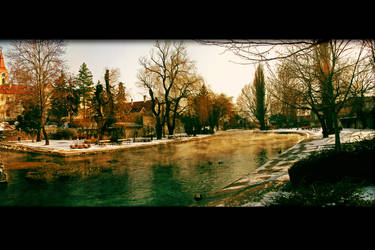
point(198, 197)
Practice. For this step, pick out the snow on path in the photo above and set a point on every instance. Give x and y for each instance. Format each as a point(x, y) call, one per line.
point(277, 169)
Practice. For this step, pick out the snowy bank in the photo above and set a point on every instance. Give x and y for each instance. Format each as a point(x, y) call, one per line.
point(275, 171)
point(62, 147)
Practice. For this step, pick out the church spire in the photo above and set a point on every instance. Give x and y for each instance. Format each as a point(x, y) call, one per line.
point(3, 69)
point(2, 64)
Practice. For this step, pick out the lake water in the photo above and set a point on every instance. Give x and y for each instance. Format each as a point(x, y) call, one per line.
point(165, 175)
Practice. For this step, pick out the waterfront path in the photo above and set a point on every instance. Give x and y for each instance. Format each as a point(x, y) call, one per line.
point(256, 188)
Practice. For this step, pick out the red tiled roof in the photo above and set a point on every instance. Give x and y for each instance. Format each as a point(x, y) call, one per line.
point(137, 106)
point(13, 89)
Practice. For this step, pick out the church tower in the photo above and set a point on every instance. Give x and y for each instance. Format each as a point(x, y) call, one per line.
point(3, 69)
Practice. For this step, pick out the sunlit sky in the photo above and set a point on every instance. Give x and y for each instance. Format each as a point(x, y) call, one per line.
point(222, 75)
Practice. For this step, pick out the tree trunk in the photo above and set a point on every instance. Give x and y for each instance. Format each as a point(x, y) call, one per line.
point(322, 122)
point(170, 129)
point(45, 135)
point(327, 116)
point(38, 135)
point(337, 132)
point(262, 124)
point(172, 124)
point(158, 129)
point(70, 118)
point(325, 131)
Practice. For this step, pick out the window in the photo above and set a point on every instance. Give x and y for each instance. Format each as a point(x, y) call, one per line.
point(3, 77)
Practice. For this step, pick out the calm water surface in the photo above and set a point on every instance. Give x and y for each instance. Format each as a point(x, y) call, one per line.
point(166, 175)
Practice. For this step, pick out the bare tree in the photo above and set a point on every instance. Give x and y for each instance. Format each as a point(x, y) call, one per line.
point(324, 77)
point(113, 76)
point(168, 75)
point(245, 102)
point(151, 82)
point(40, 62)
point(255, 51)
point(370, 45)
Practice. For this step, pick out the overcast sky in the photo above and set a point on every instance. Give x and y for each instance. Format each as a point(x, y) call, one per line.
point(218, 72)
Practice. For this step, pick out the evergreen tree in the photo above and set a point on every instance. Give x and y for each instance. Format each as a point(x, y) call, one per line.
point(108, 88)
point(29, 120)
point(110, 118)
point(85, 85)
point(259, 95)
point(64, 100)
point(121, 101)
point(98, 103)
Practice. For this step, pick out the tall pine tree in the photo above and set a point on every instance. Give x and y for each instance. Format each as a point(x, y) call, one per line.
point(98, 103)
point(121, 101)
point(64, 100)
point(109, 111)
point(259, 95)
point(85, 85)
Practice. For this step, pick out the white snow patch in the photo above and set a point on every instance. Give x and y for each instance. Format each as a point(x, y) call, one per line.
point(367, 193)
point(64, 145)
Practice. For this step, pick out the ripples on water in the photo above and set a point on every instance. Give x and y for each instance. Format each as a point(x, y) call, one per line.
point(165, 175)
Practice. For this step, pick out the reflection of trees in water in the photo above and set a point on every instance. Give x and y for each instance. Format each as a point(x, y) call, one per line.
point(261, 158)
point(166, 189)
point(167, 175)
point(45, 187)
point(51, 171)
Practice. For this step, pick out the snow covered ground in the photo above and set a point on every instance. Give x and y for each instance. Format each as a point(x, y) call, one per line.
point(64, 145)
point(5, 126)
point(280, 168)
point(346, 136)
point(276, 170)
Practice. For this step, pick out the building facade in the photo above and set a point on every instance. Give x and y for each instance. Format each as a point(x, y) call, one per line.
point(10, 108)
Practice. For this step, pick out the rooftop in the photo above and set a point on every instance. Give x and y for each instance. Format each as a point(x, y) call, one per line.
point(2, 64)
point(13, 89)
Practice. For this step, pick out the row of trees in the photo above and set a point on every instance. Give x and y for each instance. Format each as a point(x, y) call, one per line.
point(54, 94)
point(178, 91)
point(206, 111)
point(318, 76)
point(252, 100)
point(168, 76)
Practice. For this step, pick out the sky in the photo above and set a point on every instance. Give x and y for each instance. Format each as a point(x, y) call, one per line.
point(222, 75)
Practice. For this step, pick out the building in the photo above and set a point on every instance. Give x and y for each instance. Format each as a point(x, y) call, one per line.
point(10, 108)
point(3, 70)
point(358, 113)
point(138, 119)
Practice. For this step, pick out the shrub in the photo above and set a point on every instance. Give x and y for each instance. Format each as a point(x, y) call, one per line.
point(62, 134)
point(116, 133)
point(278, 120)
point(343, 194)
point(354, 161)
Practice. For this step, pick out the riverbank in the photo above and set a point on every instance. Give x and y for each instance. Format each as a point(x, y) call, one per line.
point(62, 147)
point(159, 176)
point(257, 188)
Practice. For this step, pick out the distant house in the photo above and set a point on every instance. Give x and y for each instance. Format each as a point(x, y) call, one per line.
point(350, 114)
point(138, 119)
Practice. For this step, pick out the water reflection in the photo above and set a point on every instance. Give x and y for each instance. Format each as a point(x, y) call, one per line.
point(166, 175)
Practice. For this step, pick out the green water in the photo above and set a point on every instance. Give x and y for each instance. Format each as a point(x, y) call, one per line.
point(166, 175)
